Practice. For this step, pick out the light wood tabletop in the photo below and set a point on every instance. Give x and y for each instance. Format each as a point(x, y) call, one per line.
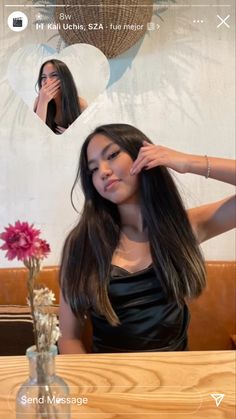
point(174, 385)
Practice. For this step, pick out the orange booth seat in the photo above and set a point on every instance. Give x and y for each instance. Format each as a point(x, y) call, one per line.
point(213, 314)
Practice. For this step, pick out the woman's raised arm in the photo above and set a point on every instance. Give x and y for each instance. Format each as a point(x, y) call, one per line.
point(207, 220)
point(151, 155)
point(213, 219)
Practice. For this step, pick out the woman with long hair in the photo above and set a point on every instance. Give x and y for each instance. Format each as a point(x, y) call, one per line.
point(133, 259)
point(58, 103)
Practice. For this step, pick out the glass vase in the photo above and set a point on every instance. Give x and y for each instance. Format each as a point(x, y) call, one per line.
point(44, 394)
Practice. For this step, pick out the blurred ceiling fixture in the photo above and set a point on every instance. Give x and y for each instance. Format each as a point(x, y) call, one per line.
point(113, 26)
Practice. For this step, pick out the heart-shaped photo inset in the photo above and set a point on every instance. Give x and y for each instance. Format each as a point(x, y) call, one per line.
point(58, 87)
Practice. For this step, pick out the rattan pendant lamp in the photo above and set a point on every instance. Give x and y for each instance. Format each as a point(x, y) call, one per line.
point(113, 26)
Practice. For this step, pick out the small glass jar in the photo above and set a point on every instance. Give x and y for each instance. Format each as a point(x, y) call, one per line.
point(44, 394)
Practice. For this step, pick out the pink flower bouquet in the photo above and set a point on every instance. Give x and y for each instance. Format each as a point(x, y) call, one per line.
point(22, 241)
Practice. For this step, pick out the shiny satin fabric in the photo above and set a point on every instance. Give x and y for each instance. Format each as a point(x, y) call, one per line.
point(148, 322)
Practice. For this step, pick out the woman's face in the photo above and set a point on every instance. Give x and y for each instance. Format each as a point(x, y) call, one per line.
point(49, 74)
point(110, 168)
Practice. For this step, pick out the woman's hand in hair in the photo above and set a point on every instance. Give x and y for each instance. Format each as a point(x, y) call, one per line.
point(151, 155)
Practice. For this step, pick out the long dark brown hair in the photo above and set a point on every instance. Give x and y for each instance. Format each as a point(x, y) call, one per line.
point(88, 249)
point(70, 106)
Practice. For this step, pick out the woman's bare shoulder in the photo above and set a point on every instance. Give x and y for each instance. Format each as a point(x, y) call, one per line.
point(83, 104)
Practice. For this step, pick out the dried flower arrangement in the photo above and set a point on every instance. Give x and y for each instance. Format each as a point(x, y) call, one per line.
point(22, 241)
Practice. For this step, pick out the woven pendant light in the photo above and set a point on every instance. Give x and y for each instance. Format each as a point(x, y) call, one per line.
point(113, 26)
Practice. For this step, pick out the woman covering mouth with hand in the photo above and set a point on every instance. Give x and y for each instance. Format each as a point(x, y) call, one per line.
point(58, 103)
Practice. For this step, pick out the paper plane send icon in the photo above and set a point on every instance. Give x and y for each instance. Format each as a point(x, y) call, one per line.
point(218, 398)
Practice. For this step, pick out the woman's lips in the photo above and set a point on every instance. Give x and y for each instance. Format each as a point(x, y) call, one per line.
point(109, 185)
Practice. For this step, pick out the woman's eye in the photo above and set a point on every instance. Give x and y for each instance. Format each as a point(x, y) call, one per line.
point(113, 155)
point(92, 171)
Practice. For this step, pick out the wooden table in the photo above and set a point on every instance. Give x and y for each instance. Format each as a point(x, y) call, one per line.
point(136, 386)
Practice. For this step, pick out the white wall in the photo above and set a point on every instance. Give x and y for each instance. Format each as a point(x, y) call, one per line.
point(177, 85)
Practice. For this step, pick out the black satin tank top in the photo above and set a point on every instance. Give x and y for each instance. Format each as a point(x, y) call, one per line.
point(148, 321)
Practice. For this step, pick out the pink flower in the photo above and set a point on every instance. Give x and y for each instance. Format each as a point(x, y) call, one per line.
point(41, 249)
point(22, 241)
point(19, 240)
